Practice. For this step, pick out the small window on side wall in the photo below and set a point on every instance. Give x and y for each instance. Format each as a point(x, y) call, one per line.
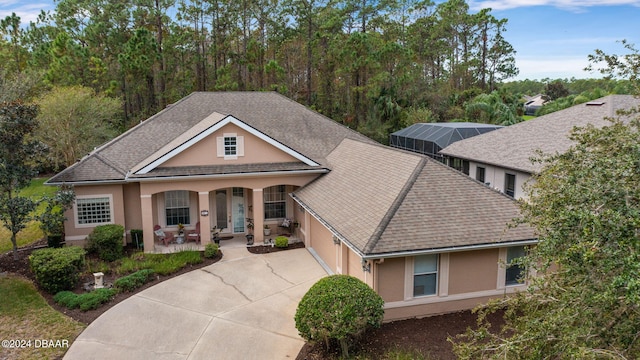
point(425, 275)
point(480, 174)
point(514, 272)
point(93, 210)
point(510, 184)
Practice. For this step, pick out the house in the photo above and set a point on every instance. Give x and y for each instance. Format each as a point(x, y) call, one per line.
point(502, 159)
point(533, 103)
point(427, 238)
point(430, 138)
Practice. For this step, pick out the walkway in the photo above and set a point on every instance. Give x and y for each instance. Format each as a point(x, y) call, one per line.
point(241, 307)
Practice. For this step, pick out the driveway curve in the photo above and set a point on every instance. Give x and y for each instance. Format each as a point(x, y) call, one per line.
point(241, 307)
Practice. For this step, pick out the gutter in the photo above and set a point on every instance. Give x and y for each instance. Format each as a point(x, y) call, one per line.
point(450, 249)
point(128, 179)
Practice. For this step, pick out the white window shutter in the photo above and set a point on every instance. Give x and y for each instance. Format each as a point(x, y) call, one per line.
point(240, 145)
point(220, 146)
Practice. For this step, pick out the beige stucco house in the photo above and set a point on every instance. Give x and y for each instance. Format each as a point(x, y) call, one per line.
point(502, 158)
point(427, 238)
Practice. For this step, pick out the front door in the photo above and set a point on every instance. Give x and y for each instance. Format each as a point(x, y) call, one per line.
point(237, 210)
point(229, 205)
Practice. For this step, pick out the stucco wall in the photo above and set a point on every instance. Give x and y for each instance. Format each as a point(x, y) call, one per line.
point(205, 151)
point(391, 279)
point(471, 271)
point(495, 176)
point(322, 243)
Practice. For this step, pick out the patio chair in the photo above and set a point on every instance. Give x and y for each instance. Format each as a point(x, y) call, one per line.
point(194, 234)
point(285, 227)
point(165, 237)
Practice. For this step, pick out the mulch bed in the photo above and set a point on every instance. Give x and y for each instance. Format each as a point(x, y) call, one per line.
point(265, 249)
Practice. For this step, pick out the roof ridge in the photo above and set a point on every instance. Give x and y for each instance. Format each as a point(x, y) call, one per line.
point(375, 237)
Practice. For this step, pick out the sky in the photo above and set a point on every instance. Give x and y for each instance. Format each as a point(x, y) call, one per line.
point(552, 38)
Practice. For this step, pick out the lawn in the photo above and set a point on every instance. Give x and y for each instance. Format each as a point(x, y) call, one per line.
point(26, 316)
point(37, 190)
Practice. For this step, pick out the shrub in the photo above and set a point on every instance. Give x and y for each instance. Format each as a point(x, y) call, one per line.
point(210, 251)
point(133, 281)
point(85, 302)
point(282, 241)
point(57, 269)
point(338, 309)
point(162, 264)
point(106, 241)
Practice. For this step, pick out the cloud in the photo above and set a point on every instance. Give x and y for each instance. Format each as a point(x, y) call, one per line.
point(573, 5)
point(27, 12)
point(553, 68)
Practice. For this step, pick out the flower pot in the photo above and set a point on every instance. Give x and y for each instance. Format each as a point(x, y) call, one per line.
point(267, 232)
point(249, 239)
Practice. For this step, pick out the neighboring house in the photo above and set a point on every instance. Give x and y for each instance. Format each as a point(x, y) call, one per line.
point(430, 138)
point(533, 103)
point(502, 159)
point(428, 239)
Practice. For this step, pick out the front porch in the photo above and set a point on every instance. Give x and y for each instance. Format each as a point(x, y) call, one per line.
point(226, 242)
point(182, 209)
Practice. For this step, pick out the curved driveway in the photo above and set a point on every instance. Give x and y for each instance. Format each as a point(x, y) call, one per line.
point(241, 307)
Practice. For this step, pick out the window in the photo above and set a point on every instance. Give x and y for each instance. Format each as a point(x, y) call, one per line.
point(460, 165)
point(230, 146)
point(275, 202)
point(510, 184)
point(425, 275)
point(176, 205)
point(480, 174)
point(93, 210)
point(514, 271)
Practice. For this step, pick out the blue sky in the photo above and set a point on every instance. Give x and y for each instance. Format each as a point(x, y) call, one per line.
point(552, 38)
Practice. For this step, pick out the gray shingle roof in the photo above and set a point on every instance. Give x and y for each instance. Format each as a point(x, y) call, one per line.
point(513, 146)
point(292, 124)
point(383, 201)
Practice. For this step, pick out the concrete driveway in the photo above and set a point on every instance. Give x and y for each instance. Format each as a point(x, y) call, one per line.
point(241, 307)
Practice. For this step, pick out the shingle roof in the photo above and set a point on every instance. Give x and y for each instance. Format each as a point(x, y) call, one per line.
point(301, 129)
point(382, 201)
point(513, 146)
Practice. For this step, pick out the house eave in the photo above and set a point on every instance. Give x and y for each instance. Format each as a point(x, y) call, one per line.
point(86, 182)
point(227, 176)
point(450, 249)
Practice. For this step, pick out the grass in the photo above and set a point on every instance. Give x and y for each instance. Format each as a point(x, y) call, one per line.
point(32, 233)
point(25, 315)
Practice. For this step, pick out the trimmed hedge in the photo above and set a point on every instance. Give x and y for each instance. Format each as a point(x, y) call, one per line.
point(133, 281)
point(337, 310)
point(85, 302)
point(57, 269)
point(210, 251)
point(282, 241)
point(106, 241)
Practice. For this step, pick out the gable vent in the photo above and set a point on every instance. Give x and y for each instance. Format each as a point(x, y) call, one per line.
point(595, 103)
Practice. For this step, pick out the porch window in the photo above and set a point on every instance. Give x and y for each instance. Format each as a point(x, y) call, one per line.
point(510, 184)
point(480, 174)
point(425, 275)
point(177, 207)
point(275, 202)
point(514, 272)
point(93, 210)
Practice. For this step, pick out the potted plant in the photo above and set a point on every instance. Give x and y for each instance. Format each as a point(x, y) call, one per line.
point(52, 219)
point(267, 230)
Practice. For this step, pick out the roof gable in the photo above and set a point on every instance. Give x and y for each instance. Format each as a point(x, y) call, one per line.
point(203, 130)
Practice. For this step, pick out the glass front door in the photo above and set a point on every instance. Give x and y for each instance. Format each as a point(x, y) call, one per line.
point(237, 210)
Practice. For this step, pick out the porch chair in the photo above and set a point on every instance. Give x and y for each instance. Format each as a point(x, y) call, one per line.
point(165, 237)
point(194, 234)
point(285, 227)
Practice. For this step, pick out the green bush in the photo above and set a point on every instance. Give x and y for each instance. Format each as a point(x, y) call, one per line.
point(282, 241)
point(57, 269)
point(133, 281)
point(85, 302)
point(210, 251)
point(106, 241)
point(337, 310)
point(162, 264)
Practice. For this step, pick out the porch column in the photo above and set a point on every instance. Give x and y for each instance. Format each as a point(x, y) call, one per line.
point(258, 215)
point(205, 221)
point(147, 223)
